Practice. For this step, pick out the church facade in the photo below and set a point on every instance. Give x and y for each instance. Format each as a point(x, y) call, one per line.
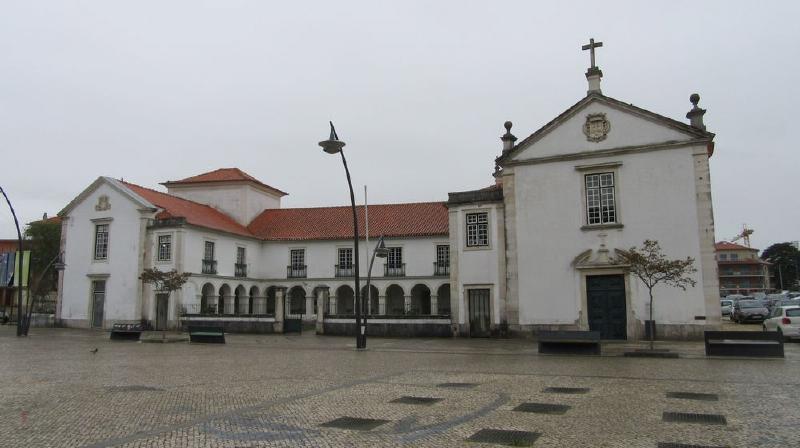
point(538, 249)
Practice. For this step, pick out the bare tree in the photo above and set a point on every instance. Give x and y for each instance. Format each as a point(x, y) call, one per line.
point(652, 267)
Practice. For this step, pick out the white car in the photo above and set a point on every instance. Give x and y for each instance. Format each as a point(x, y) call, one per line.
point(785, 320)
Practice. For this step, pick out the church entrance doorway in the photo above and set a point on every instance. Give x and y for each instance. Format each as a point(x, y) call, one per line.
point(479, 316)
point(162, 306)
point(605, 298)
point(98, 302)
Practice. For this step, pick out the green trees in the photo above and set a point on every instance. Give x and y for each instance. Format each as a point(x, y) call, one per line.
point(784, 258)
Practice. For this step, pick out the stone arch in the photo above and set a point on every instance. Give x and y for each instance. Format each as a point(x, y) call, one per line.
point(395, 300)
point(239, 300)
point(224, 296)
point(297, 300)
point(443, 294)
point(207, 299)
point(345, 300)
point(270, 294)
point(253, 301)
point(371, 301)
point(420, 300)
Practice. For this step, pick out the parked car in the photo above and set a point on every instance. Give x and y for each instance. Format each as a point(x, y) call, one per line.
point(727, 306)
point(749, 311)
point(785, 320)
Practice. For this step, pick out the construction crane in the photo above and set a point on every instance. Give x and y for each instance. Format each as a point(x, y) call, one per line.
point(745, 235)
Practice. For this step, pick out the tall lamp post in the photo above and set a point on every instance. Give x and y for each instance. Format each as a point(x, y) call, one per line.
point(332, 146)
point(380, 251)
point(18, 277)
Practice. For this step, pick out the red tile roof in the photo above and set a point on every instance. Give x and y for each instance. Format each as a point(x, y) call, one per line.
point(222, 175)
point(724, 245)
point(328, 223)
point(12, 245)
point(194, 213)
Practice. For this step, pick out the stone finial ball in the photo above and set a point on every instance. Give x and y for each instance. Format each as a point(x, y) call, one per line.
point(694, 99)
point(508, 125)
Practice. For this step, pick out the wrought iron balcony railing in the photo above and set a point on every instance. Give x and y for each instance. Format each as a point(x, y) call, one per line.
point(346, 270)
point(441, 268)
point(296, 271)
point(394, 270)
point(209, 266)
point(240, 270)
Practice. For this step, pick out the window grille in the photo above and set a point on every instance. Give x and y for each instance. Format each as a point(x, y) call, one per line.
point(600, 203)
point(477, 229)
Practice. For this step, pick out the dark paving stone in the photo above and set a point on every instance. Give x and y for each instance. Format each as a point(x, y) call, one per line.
point(645, 353)
point(133, 388)
point(689, 417)
point(543, 408)
point(684, 445)
point(567, 390)
point(505, 437)
point(417, 400)
point(693, 396)
point(358, 424)
point(458, 385)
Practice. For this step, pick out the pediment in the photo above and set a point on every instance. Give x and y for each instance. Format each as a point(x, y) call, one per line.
point(599, 123)
point(600, 258)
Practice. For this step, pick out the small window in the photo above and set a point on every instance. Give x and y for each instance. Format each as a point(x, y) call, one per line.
point(101, 242)
point(240, 255)
point(208, 253)
point(395, 258)
point(443, 255)
point(723, 256)
point(346, 258)
point(600, 203)
point(477, 229)
point(297, 258)
point(164, 247)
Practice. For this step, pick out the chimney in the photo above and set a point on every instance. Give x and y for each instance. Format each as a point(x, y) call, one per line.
point(508, 138)
point(44, 216)
point(695, 115)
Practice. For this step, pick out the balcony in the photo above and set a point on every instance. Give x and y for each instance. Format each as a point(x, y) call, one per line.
point(394, 270)
point(209, 266)
point(240, 270)
point(441, 269)
point(296, 271)
point(346, 270)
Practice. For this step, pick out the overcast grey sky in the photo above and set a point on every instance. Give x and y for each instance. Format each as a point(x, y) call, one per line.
point(160, 90)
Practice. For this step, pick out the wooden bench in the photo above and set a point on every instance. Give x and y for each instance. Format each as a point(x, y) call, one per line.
point(569, 342)
point(207, 334)
point(127, 332)
point(744, 343)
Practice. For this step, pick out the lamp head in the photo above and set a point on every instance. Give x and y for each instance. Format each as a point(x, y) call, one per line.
point(381, 251)
point(332, 145)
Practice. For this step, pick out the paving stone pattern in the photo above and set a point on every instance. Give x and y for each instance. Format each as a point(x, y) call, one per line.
point(281, 391)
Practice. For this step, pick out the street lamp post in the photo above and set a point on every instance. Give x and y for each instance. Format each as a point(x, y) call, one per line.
point(380, 251)
point(332, 146)
point(18, 277)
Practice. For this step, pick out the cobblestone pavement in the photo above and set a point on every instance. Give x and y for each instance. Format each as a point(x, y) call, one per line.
point(274, 390)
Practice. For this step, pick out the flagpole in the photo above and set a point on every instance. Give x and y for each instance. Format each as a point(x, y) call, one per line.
point(366, 228)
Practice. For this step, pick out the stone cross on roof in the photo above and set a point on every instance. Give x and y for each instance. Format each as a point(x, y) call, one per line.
point(591, 46)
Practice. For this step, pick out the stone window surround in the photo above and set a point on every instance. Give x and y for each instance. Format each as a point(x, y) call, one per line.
point(597, 168)
point(98, 222)
point(488, 212)
point(167, 260)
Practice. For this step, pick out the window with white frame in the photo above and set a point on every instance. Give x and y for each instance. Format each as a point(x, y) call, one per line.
point(240, 255)
point(477, 229)
point(101, 242)
point(395, 257)
point(601, 205)
point(346, 258)
point(297, 258)
point(164, 247)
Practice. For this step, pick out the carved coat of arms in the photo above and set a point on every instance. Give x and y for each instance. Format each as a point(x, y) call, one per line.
point(102, 203)
point(596, 127)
